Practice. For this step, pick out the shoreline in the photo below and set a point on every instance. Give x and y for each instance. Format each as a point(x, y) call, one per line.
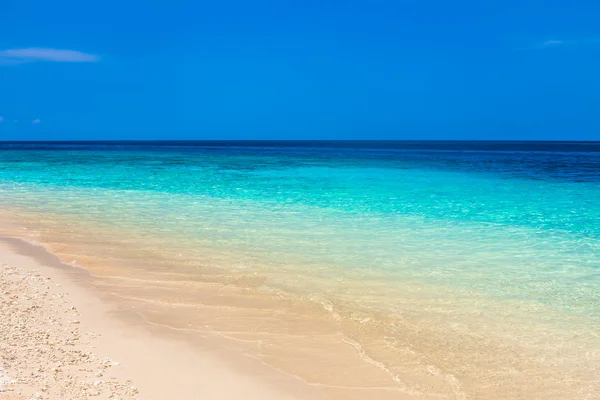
point(281, 348)
point(158, 364)
point(350, 277)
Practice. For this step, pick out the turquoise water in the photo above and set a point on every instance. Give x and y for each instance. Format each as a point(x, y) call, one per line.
point(487, 235)
point(489, 219)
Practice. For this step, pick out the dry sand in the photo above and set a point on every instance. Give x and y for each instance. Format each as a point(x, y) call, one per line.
point(59, 339)
point(44, 352)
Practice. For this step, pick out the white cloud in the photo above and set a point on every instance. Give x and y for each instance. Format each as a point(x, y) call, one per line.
point(36, 121)
point(20, 56)
point(563, 43)
point(553, 42)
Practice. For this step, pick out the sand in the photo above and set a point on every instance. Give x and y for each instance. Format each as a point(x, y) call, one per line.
point(44, 352)
point(60, 339)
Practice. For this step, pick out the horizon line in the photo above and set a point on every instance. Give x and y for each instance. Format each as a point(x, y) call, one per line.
point(291, 140)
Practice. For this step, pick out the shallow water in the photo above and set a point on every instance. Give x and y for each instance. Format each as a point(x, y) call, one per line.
point(452, 270)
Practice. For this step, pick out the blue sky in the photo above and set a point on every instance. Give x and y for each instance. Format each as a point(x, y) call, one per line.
point(299, 69)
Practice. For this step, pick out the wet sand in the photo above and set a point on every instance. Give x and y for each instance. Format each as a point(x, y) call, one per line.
point(60, 338)
point(204, 319)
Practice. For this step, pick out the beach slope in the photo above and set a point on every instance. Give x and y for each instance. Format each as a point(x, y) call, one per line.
point(60, 340)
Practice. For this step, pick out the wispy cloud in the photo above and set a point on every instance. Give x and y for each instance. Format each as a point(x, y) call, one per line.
point(1, 119)
point(549, 43)
point(554, 43)
point(20, 56)
point(36, 121)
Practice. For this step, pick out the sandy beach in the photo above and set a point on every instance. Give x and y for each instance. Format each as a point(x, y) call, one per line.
point(299, 200)
point(60, 340)
point(305, 273)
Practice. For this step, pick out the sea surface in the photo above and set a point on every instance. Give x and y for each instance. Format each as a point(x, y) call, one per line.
point(370, 269)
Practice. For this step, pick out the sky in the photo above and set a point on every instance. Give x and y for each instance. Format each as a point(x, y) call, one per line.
point(232, 69)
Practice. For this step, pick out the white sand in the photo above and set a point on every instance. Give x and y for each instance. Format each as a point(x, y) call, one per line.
point(59, 339)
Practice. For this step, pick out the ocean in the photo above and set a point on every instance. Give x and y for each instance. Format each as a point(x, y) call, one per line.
point(433, 269)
